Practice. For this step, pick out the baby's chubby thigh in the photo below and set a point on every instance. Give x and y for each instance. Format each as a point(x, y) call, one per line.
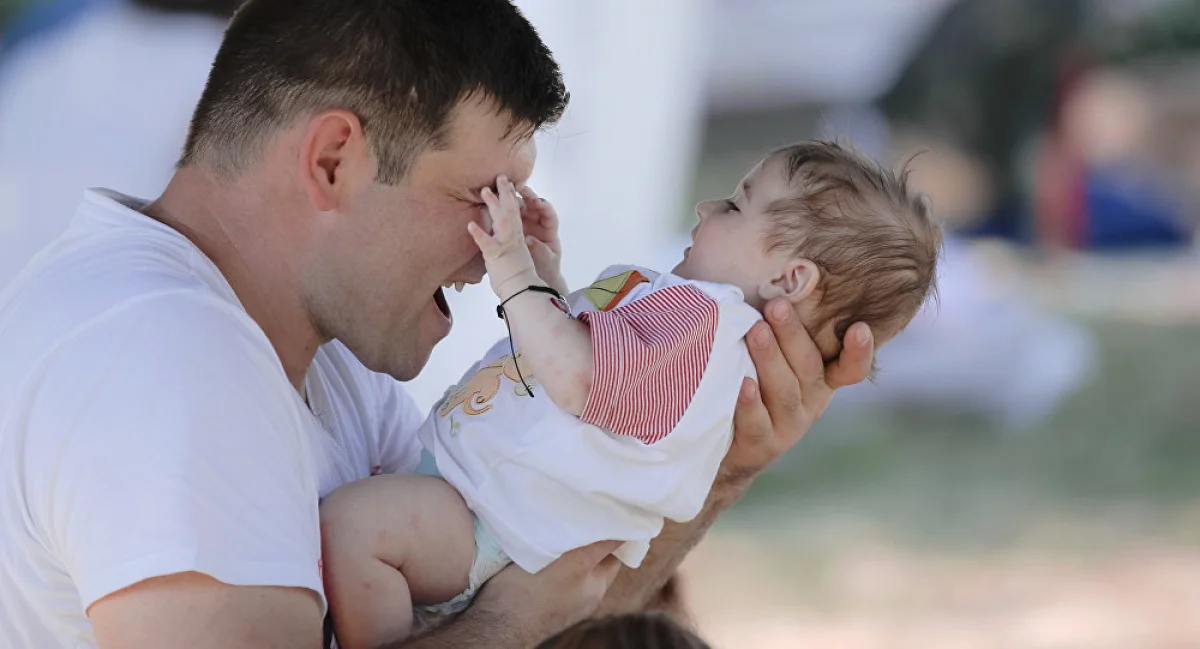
point(417, 524)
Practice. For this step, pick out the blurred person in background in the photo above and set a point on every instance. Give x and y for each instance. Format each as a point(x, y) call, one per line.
point(95, 93)
point(985, 80)
point(1005, 82)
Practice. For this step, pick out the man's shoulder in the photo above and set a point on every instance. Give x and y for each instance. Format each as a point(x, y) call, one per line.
point(72, 323)
point(116, 275)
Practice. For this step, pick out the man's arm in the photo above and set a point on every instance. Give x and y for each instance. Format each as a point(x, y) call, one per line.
point(516, 610)
point(795, 389)
point(197, 611)
point(634, 589)
point(184, 523)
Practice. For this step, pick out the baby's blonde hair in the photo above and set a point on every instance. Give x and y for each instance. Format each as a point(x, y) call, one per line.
point(871, 235)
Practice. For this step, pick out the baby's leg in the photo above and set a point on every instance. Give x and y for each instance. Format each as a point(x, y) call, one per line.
point(387, 543)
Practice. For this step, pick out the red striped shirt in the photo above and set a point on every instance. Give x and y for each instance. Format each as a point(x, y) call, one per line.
point(649, 356)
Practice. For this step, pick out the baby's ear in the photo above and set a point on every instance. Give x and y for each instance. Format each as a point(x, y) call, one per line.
point(797, 280)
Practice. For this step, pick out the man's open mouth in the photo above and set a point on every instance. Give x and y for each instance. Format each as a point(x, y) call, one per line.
point(440, 300)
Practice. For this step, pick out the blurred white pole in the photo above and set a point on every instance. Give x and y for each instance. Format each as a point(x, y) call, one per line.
point(618, 165)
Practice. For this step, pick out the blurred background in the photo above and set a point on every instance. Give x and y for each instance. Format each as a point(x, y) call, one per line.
point(1025, 472)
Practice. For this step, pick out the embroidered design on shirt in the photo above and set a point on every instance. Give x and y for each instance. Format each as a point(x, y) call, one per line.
point(606, 293)
point(476, 394)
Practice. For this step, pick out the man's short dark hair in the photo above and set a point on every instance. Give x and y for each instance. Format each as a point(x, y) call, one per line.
point(401, 66)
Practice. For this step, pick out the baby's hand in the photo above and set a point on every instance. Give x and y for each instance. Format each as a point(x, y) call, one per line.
point(540, 222)
point(505, 252)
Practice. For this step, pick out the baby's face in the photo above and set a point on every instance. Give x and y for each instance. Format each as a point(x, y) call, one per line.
point(729, 244)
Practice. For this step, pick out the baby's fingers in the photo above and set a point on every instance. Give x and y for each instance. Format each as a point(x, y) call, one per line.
point(504, 221)
point(487, 244)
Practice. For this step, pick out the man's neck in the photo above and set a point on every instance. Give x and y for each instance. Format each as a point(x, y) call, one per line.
point(237, 225)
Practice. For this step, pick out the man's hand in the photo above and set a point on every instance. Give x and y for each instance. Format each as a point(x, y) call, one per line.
point(794, 388)
point(540, 223)
point(516, 609)
point(562, 594)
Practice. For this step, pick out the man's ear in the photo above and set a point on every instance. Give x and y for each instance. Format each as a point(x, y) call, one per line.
point(798, 279)
point(330, 154)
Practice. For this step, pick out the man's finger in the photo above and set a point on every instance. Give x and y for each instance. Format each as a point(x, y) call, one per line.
point(854, 364)
point(751, 422)
point(591, 555)
point(795, 343)
point(608, 569)
point(780, 390)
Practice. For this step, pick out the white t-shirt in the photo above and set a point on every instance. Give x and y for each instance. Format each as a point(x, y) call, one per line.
point(669, 361)
point(148, 428)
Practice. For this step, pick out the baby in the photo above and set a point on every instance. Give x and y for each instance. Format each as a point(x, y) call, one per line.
point(610, 410)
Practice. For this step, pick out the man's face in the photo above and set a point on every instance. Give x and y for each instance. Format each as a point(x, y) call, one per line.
point(385, 266)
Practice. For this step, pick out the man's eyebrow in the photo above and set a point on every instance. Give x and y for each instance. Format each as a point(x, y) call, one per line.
point(746, 190)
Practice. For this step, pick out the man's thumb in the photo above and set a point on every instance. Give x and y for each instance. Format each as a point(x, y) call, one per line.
point(596, 552)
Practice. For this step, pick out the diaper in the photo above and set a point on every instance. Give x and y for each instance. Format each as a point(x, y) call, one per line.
point(489, 560)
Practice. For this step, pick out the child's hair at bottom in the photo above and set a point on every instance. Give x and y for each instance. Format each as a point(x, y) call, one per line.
point(869, 233)
point(628, 631)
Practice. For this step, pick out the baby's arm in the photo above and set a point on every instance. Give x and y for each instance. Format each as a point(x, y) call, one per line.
point(388, 543)
point(554, 346)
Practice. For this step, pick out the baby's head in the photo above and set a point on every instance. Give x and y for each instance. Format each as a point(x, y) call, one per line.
point(841, 237)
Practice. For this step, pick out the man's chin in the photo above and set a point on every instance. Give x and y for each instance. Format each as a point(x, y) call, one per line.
point(397, 362)
point(407, 367)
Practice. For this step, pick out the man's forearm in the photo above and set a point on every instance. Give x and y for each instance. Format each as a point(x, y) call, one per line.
point(476, 627)
point(634, 589)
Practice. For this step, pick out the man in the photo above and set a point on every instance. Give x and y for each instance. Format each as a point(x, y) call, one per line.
point(183, 379)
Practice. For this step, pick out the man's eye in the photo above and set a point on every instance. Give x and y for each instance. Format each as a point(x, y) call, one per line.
point(731, 206)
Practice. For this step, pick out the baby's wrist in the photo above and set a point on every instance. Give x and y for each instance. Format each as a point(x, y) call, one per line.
point(523, 279)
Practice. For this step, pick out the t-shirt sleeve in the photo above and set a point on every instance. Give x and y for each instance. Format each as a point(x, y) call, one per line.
point(648, 358)
point(182, 452)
